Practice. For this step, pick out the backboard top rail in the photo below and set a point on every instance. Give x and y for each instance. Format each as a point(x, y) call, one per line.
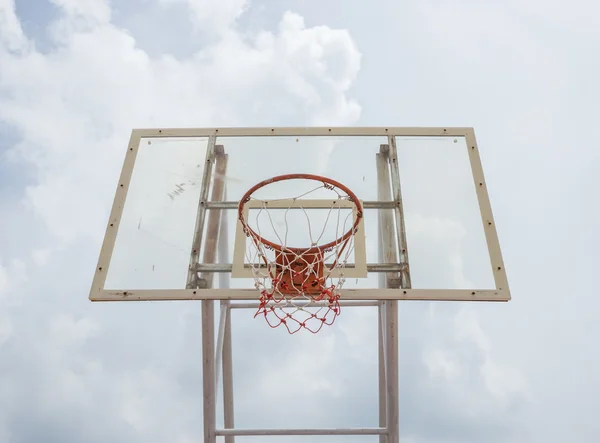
point(306, 131)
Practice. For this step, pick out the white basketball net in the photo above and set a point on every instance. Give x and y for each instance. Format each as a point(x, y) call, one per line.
point(296, 289)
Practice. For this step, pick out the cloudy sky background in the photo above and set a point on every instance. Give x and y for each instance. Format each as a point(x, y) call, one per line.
point(76, 76)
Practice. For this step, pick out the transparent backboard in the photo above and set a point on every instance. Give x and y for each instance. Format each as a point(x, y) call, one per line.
point(427, 231)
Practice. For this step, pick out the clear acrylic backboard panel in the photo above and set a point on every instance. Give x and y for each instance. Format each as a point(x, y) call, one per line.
point(153, 242)
point(445, 234)
point(447, 230)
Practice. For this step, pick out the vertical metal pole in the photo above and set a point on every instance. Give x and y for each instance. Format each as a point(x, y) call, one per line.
point(400, 222)
point(211, 243)
point(391, 325)
point(387, 254)
point(223, 247)
point(208, 332)
point(208, 310)
point(392, 308)
point(220, 339)
point(208, 371)
point(382, 369)
point(214, 216)
point(228, 378)
point(227, 363)
point(192, 279)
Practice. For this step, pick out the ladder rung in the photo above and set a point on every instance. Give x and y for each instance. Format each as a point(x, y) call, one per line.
point(344, 431)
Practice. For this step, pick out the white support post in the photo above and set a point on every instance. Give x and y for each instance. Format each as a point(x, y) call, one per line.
point(405, 283)
point(387, 251)
point(382, 381)
point(220, 340)
point(388, 362)
point(209, 379)
point(192, 278)
point(208, 333)
point(400, 222)
point(226, 353)
point(208, 371)
point(214, 217)
point(228, 378)
point(391, 353)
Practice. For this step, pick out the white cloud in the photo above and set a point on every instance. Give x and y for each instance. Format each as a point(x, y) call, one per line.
point(5, 329)
point(71, 332)
point(3, 279)
point(8, 275)
point(442, 363)
point(11, 36)
point(41, 256)
point(507, 384)
point(579, 16)
point(75, 106)
point(213, 16)
point(89, 12)
point(11, 276)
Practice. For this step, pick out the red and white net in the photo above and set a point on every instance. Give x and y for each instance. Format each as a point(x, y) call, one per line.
point(300, 286)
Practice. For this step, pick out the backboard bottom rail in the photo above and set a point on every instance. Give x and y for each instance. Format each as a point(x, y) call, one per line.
point(346, 294)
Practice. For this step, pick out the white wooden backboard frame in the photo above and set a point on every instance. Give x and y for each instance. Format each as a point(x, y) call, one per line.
point(499, 293)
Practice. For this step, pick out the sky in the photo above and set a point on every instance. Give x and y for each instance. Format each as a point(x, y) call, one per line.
point(77, 75)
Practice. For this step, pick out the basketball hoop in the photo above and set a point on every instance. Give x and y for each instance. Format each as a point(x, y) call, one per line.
point(300, 286)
